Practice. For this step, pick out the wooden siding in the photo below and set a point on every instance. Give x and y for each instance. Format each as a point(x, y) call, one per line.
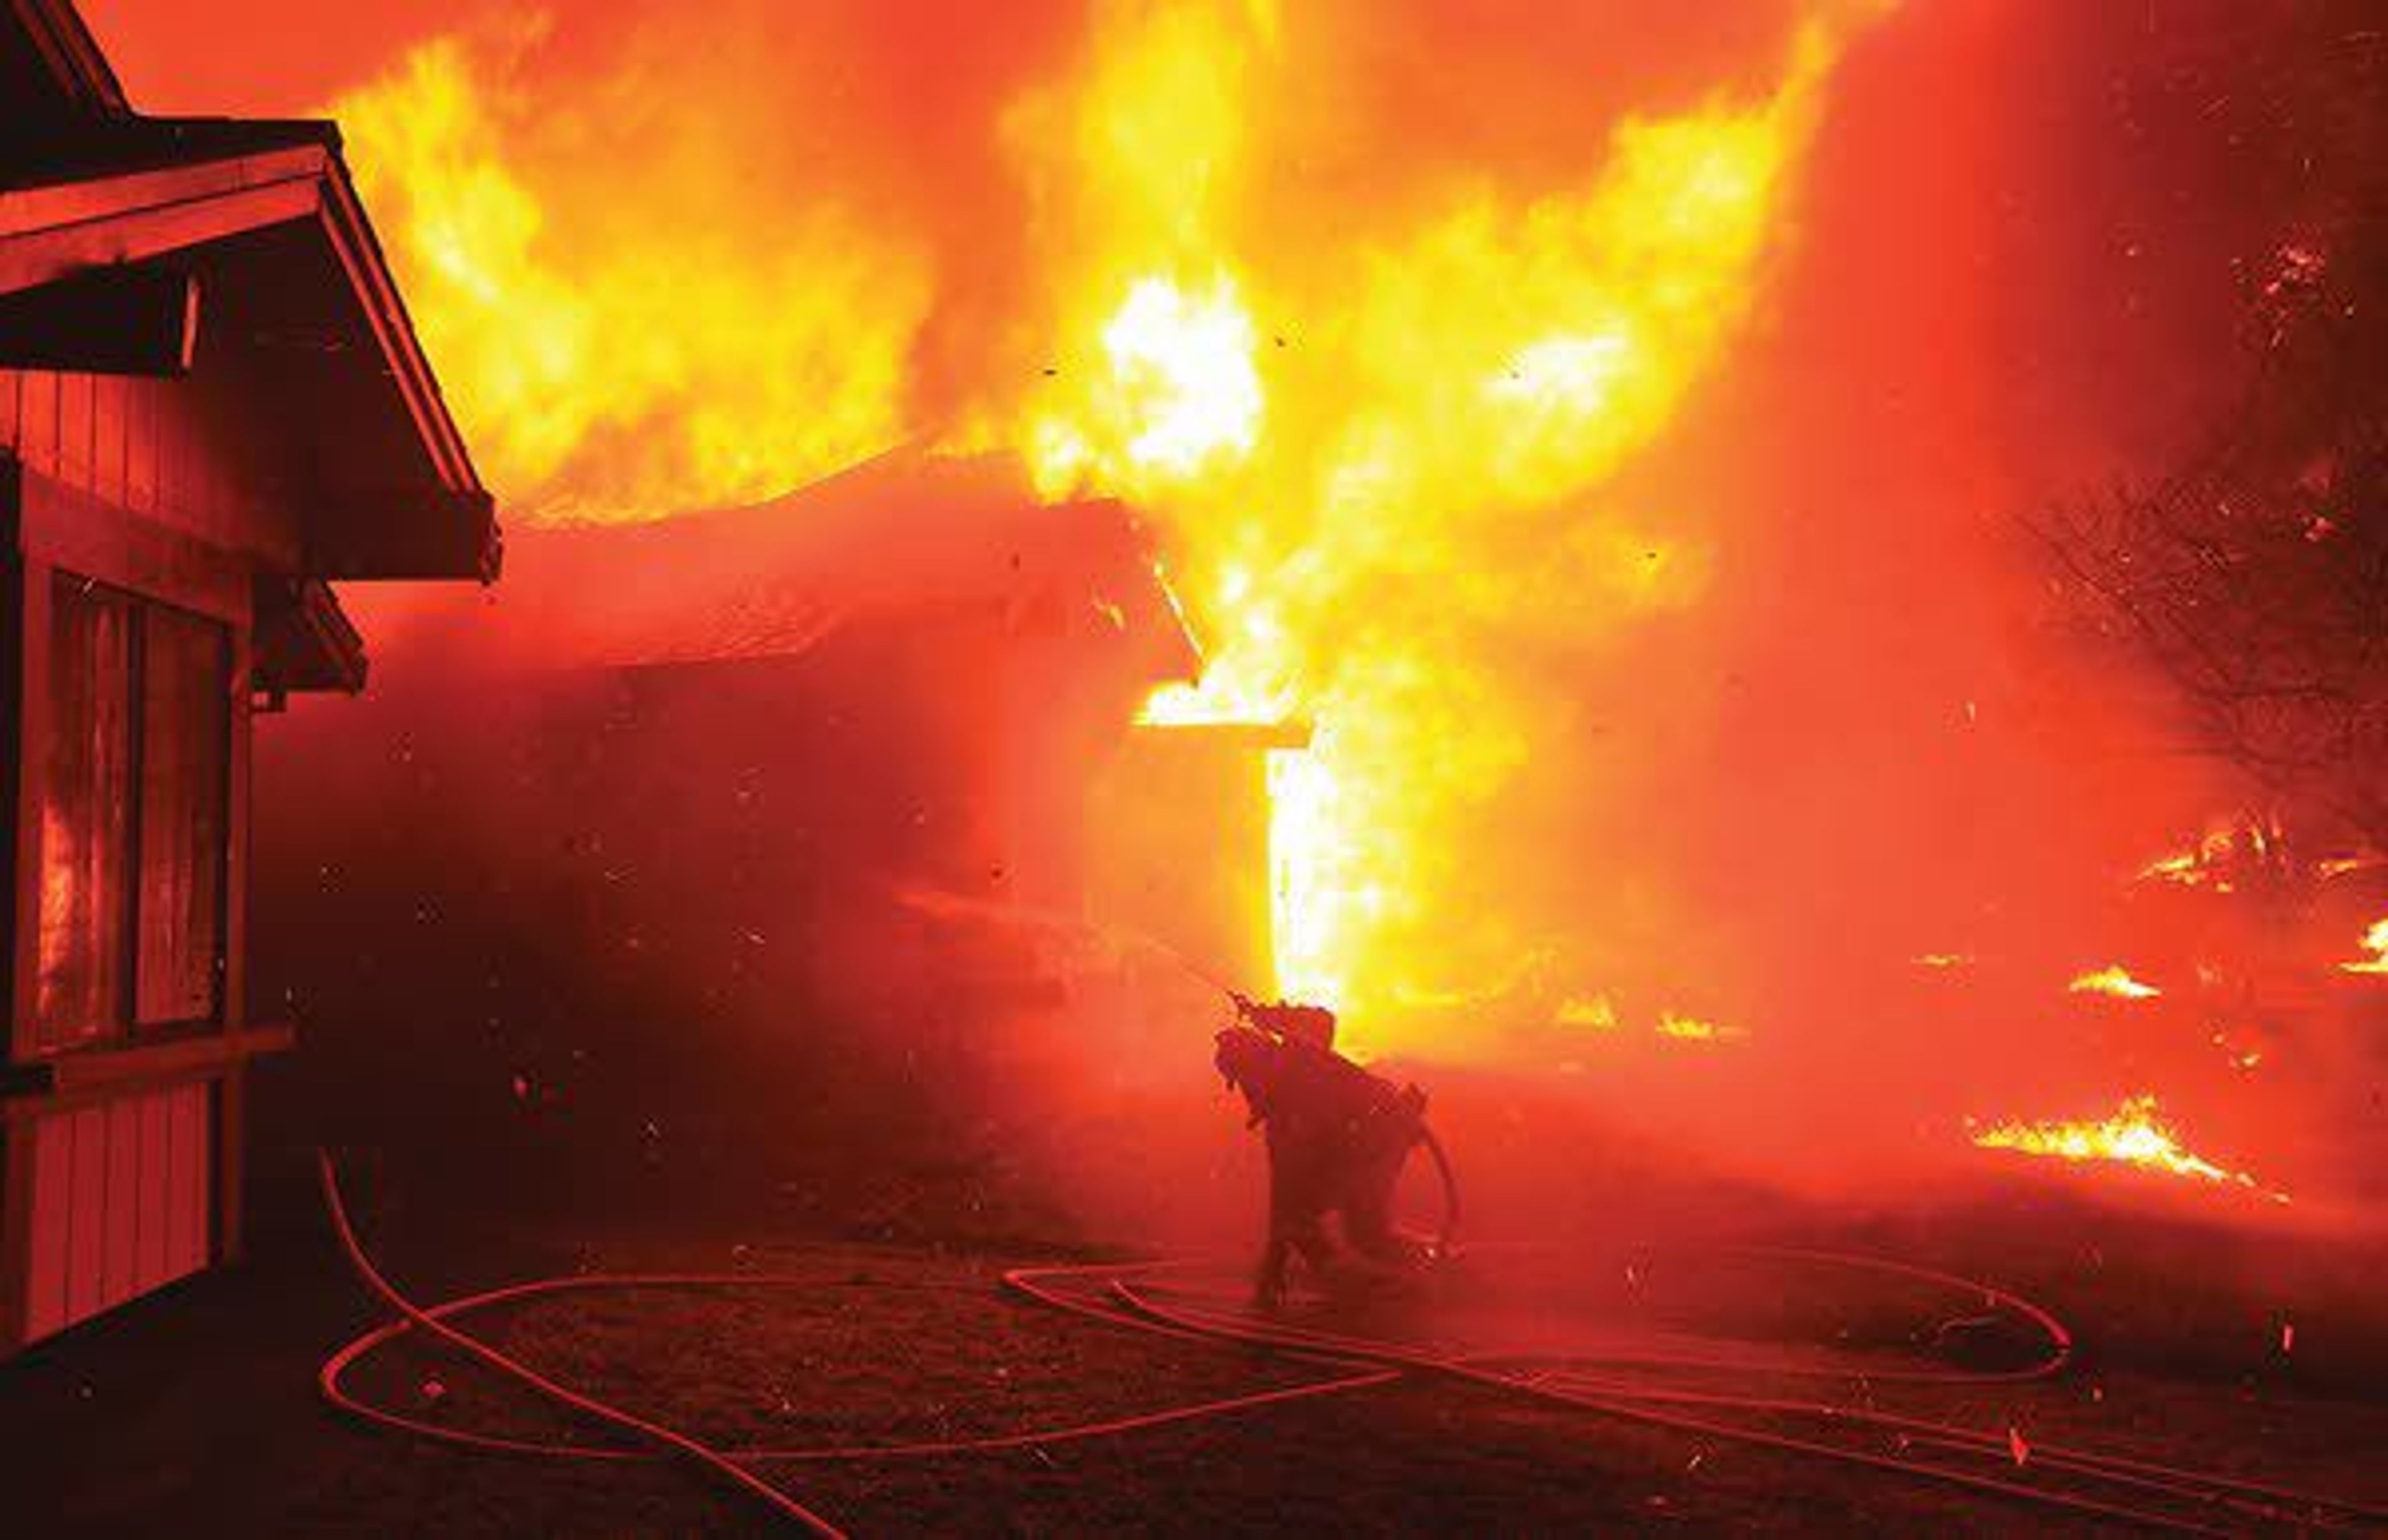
point(167, 450)
point(158, 486)
point(119, 1200)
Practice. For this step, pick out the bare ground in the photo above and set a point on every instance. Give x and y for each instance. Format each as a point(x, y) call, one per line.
point(197, 1413)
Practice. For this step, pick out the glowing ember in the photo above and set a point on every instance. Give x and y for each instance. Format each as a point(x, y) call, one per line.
point(2242, 1059)
point(2202, 865)
point(2136, 1135)
point(1946, 962)
point(2113, 982)
point(1594, 1012)
point(2375, 942)
point(1690, 1029)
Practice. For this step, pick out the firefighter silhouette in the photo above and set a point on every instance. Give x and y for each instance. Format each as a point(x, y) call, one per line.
point(1338, 1137)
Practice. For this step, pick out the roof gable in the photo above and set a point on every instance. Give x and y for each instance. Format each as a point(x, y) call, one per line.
point(50, 66)
point(258, 209)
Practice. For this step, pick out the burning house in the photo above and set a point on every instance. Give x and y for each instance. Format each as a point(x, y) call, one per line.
point(919, 636)
point(840, 780)
point(211, 405)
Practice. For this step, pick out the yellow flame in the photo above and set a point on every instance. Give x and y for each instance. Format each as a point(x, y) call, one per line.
point(2200, 864)
point(1180, 390)
point(1369, 456)
point(2115, 982)
point(1690, 1029)
point(2375, 942)
point(2136, 1135)
point(1380, 437)
point(1596, 1012)
point(614, 356)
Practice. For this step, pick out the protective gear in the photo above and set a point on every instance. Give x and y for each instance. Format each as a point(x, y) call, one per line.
point(1311, 1026)
point(1338, 1137)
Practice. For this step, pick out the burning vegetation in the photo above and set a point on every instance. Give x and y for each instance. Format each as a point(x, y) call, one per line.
point(2138, 1134)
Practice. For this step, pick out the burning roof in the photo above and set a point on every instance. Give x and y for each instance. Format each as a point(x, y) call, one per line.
point(909, 531)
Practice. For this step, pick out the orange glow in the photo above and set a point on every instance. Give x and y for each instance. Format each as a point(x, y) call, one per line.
point(2136, 1135)
point(2116, 983)
point(61, 910)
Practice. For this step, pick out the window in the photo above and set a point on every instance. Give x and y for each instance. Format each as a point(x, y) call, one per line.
point(134, 817)
point(86, 815)
point(185, 721)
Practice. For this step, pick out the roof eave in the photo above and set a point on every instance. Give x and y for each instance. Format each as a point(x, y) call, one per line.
point(55, 230)
point(360, 248)
point(72, 55)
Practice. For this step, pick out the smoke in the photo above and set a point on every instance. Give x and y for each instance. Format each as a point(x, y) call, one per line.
point(1609, 430)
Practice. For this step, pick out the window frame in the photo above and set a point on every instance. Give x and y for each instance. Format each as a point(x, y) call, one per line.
point(127, 1030)
point(57, 528)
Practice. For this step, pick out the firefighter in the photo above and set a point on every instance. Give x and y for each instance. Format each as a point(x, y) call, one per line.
point(1338, 1137)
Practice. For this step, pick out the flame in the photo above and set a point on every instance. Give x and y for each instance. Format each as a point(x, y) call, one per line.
point(2186, 869)
point(2375, 942)
point(1179, 389)
point(620, 357)
point(2114, 982)
point(1688, 1028)
point(1379, 436)
point(1596, 1012)
point(2203, 863)
point(1372, 458)
point(2136, 1135)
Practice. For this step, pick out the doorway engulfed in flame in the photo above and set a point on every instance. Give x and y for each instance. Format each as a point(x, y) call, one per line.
point(1373, 411)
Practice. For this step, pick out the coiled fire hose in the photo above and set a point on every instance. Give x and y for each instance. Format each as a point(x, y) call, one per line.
point(1352, 1364)
point(670, 1441)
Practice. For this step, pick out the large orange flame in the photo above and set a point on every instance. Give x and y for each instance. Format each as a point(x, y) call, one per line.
point(622, 351)
point(1368, 504)
point(1378, 438)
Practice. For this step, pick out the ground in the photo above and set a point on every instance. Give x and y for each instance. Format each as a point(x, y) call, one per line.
point(197, 1412)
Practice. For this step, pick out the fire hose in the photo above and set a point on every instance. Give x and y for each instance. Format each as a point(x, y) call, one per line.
point(1126, 1297)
